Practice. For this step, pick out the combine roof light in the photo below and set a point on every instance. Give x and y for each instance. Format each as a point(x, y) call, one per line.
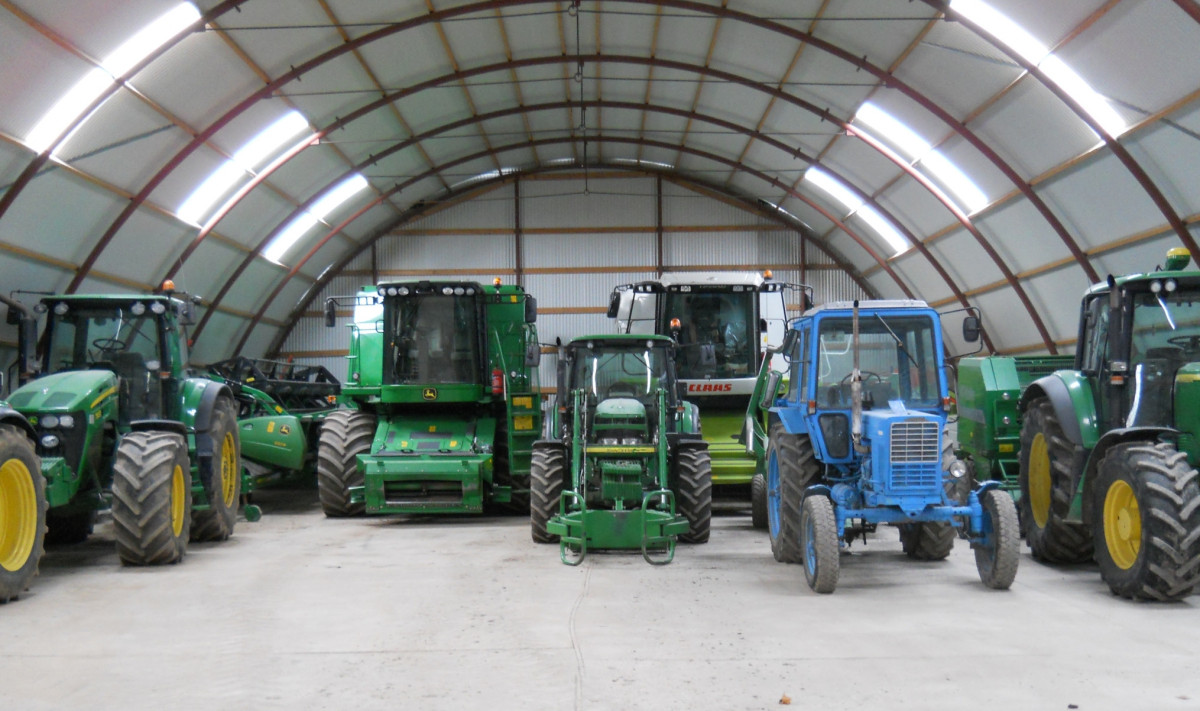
point(305, 220)
point(72, 104)
point(1038, 54)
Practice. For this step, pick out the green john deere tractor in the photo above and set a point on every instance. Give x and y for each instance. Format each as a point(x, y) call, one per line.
point(1105, 447)
point(621, 464)
point(443, 389)
point(120, 422)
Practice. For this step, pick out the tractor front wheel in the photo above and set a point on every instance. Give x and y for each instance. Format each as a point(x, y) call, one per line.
point(152, 498)
point(758, 501)
point(1146, 521)
point(22, 513)
point(997, 560)
point(345, 434)
point(547, 479)
point(224, 483)
point(1047, 480)
point(819, 543)
point(791, 468)
point(694, 496)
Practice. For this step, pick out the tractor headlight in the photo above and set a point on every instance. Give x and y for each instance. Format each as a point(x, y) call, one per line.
point(66, 422)
point(459, 291)
point(137, 309)
point(158, 307)
point(447, 291)
point(61, 309)
point(1155, 287)
point(50, 421)
point(609, 440)
point(402, 291)
point(958, 469)
point(49, 441)
point(1171, 285)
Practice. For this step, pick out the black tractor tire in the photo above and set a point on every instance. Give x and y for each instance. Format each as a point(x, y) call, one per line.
point(224, 486)
point(152, 498)
point(345, 434)
point(22, 513)
point(547, 479)
point(69, 528)
point(927, 540)
point(758, 501)
point(693, 495)
point(1146, 521)
point(997, 563)
point(798, 469)
point(819, 542)
point(503, 475)
point(1048, 480)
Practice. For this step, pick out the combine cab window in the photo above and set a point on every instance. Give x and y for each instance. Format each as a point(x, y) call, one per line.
point(718, 336)
point(611, 371)
point(1165, 336)
point(434, 340)
point(896, 358)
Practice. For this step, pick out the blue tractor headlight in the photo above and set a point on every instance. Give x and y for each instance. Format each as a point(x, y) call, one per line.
point(958, 469)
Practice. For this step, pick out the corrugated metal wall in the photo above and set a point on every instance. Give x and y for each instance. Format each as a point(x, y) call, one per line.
point(578, 239)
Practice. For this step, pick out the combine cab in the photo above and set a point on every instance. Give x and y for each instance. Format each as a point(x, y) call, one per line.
point(724, 323)
point(443, 382)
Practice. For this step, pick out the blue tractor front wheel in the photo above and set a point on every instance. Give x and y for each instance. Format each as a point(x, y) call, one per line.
point(819, 543)
point(997, 557)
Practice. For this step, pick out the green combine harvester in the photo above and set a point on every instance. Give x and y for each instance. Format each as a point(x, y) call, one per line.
point(726, 322)
point(444, 389)
point(280, 410)
point(621, 464)
point(1101, 448)
point(120, 422)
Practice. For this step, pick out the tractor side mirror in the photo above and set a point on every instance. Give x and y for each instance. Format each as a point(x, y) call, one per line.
point(533, 355)
point(970, 329)
point(790, 339)
point(614, 304)
point(330, 313)
point(530, 309)
point(767, 399)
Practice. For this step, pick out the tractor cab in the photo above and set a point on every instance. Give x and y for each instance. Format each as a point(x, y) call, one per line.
point(433, 334)
point(619, 379)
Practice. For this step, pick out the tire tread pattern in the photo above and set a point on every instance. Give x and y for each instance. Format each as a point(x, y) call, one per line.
point(798, 469)
point(693, 499)
point(344, 435)
point(547, 478)
point(143, 467)
point(217, 522)
point(1059, 541)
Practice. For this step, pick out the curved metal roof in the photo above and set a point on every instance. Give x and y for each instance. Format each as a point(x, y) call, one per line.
point(1005, 152)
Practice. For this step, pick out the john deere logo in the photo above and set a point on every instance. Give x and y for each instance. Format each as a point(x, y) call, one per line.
point(429, 393)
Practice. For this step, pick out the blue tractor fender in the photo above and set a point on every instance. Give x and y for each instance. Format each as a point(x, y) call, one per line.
point(1111, 439)
point(792, 418)
point(816, 490)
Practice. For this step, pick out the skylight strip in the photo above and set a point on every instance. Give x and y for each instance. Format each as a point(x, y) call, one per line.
point(71, 105)
point(305, 221)
point(838, 191)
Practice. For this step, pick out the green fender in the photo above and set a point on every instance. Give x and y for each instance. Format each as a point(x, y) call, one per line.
point(199, 397)
point(1071, 396)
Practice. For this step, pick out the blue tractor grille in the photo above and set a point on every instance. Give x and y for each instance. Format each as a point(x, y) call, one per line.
point(916, 455)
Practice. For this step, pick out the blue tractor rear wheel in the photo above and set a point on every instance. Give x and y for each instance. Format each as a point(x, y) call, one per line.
point(791, 468)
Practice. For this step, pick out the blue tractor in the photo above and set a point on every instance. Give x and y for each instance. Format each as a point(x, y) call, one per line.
point(856, 440)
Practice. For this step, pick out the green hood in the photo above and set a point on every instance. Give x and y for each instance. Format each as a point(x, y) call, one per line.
point(70, 391)
point(621, 408)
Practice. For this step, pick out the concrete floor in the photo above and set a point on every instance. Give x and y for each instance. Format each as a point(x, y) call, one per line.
point(302, 612)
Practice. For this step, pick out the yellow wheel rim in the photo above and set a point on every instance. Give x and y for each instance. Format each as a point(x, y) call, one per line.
point(228, 469)
point(1039, 480)
point(1122, 524)
point(18, 514)
point(178, 499)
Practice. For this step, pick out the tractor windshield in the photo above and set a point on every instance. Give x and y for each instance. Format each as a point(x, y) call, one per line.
point(1165, 336)
point(897, 360)
point(123, 338)
point(434, 339)
point(626, 370)
point(717, 332)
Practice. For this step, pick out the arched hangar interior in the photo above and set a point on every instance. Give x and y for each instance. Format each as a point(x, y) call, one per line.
point(266, 153)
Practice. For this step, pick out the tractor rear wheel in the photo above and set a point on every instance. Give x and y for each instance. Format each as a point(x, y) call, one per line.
point(758, 501)
point(693, 498)
point(152, 498)
point(22, 513)
point(997, 561)
point(224, 484)
point(547, 479)
point(819, 542)
point(345, 434)
point(927, 540)
point(1047, 479)
point(1146, 521)
point(791, 468)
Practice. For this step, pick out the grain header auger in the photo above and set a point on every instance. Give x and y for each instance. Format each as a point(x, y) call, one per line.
point(1104, 444)
point(856, 441)
point(621, 464)
point(443, 388)
point(725, 323)
point(121, 421)
point(281, 406)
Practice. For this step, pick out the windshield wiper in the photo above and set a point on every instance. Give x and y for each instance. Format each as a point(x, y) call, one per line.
point(898, 341)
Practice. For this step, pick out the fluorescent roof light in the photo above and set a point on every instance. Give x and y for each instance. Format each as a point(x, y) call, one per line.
point(305, 221)
point(1033, 51)
point(834, 187)
point(69, 107)
point(245, 160)
point(884, 228)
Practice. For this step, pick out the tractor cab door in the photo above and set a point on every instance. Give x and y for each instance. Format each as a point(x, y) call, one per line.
point(1163, 336)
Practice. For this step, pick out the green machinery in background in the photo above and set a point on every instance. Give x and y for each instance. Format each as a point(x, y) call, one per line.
point(621, 464)
point(725, 321)
point(280, 410)
point(119, 421)
point(1104, 447)
point(444, 389)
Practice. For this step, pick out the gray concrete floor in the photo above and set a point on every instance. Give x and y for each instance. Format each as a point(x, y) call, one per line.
point(301, 612)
